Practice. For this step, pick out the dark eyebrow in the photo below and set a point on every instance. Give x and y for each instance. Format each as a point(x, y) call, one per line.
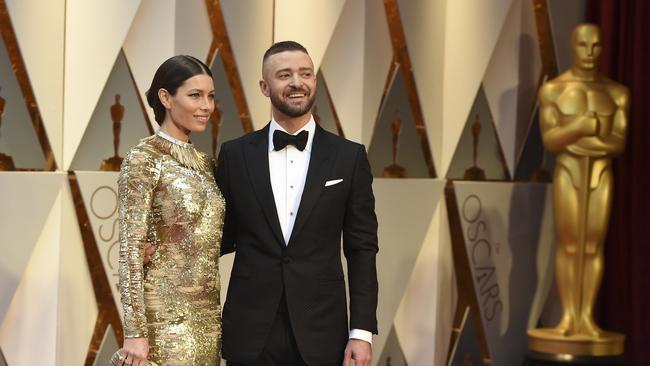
point(199, 90)
point(287, 69)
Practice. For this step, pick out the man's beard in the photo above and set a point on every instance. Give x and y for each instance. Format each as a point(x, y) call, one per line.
point(289, 110)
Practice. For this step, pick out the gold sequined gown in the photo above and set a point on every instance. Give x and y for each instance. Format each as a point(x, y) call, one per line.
point(168, 197)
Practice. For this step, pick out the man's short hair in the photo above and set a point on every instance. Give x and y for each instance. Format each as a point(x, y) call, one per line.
point(282, 47)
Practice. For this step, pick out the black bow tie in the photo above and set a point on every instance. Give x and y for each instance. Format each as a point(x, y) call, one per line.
point(281, 139)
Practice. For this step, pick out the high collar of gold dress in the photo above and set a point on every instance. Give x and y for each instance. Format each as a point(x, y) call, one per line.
point(184, 152)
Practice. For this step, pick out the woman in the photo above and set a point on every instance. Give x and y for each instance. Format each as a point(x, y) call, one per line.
point(168, 197)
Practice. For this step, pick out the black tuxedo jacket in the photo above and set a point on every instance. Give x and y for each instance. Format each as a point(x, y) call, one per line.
point(308, 270)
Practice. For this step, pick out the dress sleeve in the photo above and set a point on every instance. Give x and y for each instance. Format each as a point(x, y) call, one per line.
point(138, 178)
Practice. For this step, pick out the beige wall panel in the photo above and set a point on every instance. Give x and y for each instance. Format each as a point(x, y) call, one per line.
point(37, 23)
point(416, 319)
point(193, 30)
point(502, 227)
point(311, 23)
point(95, 31)
point(250, 29)
point(447, 290)
point(28, 198)
point(377, 60)
point(29, 330)
point(77, 305)
point(99, 192)
point(511, 78)
point(343, 68)
point(471, 31)
point(424, 28)
point(150, 41)
point(400, 239)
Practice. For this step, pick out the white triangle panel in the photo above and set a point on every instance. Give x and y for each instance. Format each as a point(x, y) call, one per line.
point(30, 197)
point(44, 64)
point(193, 30)
point(244, 18)
point(424, 29)
point(394, 197)
point(77, 305)
point(472, 30)
point(149, 42)
point(417, 318)
point(378, 58)
point(31, 320)
point(315, 31)
point(511, 78)
point(95, 31)
point(343, 68)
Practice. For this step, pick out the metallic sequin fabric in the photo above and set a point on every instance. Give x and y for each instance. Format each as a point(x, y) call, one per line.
point(168, 197)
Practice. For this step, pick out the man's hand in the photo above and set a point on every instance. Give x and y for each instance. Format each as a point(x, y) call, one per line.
point(148, 252)
point(359, 351)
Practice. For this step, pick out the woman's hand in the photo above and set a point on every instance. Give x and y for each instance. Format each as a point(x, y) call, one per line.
point(135, 351)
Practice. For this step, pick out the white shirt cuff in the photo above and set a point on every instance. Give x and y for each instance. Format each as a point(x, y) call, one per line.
point(361, 334)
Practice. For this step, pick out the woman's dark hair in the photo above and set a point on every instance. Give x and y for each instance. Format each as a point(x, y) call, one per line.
point(169, 76)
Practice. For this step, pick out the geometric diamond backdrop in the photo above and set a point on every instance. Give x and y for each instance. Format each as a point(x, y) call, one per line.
point(438, 91)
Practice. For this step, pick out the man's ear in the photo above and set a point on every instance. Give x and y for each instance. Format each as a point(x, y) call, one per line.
point(264, 87)
point(164, 97)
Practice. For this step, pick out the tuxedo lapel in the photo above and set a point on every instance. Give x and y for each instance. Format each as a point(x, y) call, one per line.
point(256, 153)
point(323, 154)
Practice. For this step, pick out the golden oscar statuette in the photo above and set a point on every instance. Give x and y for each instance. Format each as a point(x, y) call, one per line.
point(113, 163)
point(6, 162)
point(395, 170)
point(583, 120)
point(474, 172)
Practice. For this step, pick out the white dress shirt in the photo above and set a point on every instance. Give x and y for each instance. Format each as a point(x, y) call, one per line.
point(288, 169)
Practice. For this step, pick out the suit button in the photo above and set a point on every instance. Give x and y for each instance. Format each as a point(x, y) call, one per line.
point(286, 260)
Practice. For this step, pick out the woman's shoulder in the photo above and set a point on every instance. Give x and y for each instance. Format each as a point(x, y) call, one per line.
point(143, 153)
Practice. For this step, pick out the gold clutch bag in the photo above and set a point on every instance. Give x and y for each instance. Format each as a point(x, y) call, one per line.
point(118, 356)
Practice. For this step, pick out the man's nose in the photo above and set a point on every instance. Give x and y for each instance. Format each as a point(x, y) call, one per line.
point(295, 80)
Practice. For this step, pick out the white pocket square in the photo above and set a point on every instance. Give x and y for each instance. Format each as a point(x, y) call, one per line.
point(333, 182)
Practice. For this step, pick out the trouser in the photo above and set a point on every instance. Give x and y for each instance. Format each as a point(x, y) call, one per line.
point(281, 348)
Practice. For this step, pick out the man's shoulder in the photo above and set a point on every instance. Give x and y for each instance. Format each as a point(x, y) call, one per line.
point(342, 142)
point(241, 140)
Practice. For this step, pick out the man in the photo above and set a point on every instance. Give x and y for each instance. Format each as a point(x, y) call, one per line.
point(291, 189)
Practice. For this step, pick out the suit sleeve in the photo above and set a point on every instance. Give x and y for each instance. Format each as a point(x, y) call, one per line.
point(360, 246)
point(223, 181)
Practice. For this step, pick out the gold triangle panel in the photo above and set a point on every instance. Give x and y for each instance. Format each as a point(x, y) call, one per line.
point(401, 56)
point(225, 123)
point(221, 42)
point(117, 123)
point(395, 149)
point(24, 144)
point(323, 110)
point(478, 154)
